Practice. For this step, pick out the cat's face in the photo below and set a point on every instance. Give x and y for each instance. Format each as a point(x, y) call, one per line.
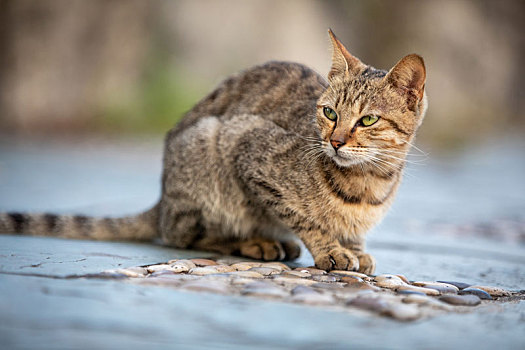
point(368, 116)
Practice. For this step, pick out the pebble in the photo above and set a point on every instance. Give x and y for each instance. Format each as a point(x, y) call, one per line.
point(369, 302)
point(326, 278)
point(465, 300)
point(241, 281)
point(206, 286)
point(312, 270)
point(410, 292)
point(203, 262)
point(292, 280)
point(421, 299)
point(182, 264)
point(303, 290)
point(109, 274)
point(386, 305)
point(460, 285)
point(171, 279)
point(180, 268)
point(402, 312)
point(245, 265)
point(361, 286)
point(428, 301)
point(293, 273)
point(493, 291)
point(229, 261)
point(132, 271)
point(265, 271)
point(324, 285)
point(161, 273)
point(427, 291)
point(477, 292)
point(276, 265)
point(349, 273)
point(264, 289)
point(396, 283)
point(351, 279)
point(403, 278)
point(389, 281)
point(246, 274)
point(159, 267)
point(313, 299)
point(209, 270)
point(443, 288)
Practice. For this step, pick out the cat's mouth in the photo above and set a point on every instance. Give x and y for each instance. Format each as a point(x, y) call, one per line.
point(348, 156)
point(345, 161)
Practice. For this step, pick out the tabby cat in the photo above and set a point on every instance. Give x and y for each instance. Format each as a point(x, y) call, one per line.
point(276, 152)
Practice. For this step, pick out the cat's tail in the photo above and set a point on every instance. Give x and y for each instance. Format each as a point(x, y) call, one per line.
point(141, 227)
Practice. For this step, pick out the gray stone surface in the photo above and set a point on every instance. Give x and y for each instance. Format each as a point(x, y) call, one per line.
point(433, 233)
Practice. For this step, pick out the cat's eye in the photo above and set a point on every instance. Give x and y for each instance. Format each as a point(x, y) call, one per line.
point(329, 113)
point(369, 120)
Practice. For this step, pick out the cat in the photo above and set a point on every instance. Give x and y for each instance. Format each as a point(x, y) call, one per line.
point(274, 153)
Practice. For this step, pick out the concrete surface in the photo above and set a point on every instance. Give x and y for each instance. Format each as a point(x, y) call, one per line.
point(40, 308)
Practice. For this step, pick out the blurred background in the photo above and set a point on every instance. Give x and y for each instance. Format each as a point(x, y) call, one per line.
point(77, 77)
point(74, 66)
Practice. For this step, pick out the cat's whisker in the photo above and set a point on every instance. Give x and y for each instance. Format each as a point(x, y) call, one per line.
point(378, 166)
point(312, 155)
point(415, 147)
point(397, 166)
point(398, 152)
point(315, 157)
point(417, 161)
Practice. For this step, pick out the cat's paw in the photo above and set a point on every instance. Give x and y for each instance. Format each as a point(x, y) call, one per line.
point(262, 249)
point(337, 259)
point(367, 263)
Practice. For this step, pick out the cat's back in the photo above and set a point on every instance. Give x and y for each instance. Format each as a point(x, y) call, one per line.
point(284, 92)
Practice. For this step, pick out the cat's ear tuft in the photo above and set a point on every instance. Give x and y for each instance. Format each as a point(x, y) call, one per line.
point(409, 76)
point(342, 61)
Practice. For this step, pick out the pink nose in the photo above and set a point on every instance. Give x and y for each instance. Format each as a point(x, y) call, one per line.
point(336, 144)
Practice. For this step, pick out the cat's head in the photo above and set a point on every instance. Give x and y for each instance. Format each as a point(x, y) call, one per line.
point(369, 116)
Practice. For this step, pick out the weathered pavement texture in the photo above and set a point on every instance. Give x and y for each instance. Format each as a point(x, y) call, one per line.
point(433, 233)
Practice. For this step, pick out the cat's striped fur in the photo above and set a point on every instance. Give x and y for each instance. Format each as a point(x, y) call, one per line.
point(258, 160)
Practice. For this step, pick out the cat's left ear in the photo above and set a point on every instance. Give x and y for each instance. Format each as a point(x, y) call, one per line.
point(408, 76)
point(342, 61)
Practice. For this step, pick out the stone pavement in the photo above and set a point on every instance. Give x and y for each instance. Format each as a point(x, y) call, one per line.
point(45, 303)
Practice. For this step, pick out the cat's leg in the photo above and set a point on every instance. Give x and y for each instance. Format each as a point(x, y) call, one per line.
point(327, 252)
point(367, 263)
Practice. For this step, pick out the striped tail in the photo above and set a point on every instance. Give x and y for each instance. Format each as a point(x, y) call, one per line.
point(142, 227)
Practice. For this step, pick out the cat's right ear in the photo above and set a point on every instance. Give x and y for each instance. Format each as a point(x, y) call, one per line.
point(408, 76)
point(342, 61)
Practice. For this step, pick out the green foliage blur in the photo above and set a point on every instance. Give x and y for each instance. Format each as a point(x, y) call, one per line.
point(162, 98)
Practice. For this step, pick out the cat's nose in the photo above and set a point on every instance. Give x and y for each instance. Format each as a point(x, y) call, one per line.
point(336, 144)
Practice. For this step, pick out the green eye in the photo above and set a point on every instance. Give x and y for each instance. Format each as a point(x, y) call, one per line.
point(369, 120)
point(329, 113)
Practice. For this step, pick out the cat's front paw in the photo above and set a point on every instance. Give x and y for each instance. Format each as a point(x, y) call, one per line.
point(337, 259)
point(367, 263)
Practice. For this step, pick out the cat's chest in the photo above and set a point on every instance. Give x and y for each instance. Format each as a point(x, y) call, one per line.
point(356, 205)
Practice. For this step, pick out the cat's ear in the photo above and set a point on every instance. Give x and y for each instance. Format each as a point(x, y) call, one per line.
point(408, 76)
point(342, 61)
